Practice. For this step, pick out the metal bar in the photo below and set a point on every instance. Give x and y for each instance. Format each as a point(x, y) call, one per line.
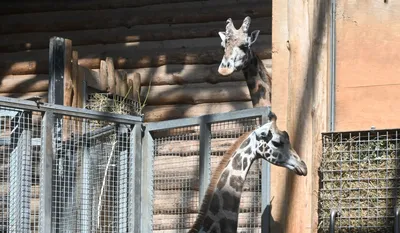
point(46, 167)
point(135, 179)
point(205, 158)
point(87, 181)
point(332, 220)
point(122, 149)
point(397, 220)
point(146, 183)
point(265, 186)
point(56, 70)
point(69, 111)
point(212, 118)
point(332, 65)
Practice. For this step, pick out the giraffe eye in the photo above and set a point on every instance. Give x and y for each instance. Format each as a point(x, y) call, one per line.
point(277, 144)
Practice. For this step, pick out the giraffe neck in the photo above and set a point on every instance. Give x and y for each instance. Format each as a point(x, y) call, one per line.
point(220, 209)
point(258, 81)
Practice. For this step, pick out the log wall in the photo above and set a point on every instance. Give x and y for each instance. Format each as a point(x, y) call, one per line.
point(176, 54)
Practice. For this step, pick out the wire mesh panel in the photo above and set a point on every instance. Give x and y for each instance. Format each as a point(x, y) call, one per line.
point(19, 170)
point(179, 171)
point(360, 177)
point(224, 134)
point(176, 178)
point(90, 176)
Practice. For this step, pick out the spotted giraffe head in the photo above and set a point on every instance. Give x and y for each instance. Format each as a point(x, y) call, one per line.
point(274, 146)
point(237, 46)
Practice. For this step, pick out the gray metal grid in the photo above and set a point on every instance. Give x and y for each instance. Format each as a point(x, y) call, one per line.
point(176, 178)
point(223, 135)
point(185, 154)
point(360, 177)
point(19, 170)
point(90, 176)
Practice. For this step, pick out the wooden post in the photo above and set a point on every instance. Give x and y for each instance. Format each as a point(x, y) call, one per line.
point(78, 79)
point(296, 198)
point(134, 84)
point(111, 80)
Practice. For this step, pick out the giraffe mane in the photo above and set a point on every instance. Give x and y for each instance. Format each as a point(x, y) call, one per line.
point(213, 182)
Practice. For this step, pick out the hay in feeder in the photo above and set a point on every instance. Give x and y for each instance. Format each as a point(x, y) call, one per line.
point(360, 177)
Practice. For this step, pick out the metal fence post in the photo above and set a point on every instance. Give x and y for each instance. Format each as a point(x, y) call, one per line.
point(265, 185)
point(146, 196)
point(205, 158)
point(20, 175)
point(123, 141)
point(135, 176)
point(46, 168)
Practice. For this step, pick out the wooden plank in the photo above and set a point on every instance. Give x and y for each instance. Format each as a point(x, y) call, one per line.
point(111, 81)
point(196, 93)
point(189, 12)
point(44, 6)
point(137, 33)
point(132, 55)
point(68, 87)
point(366, 69)
point(307, 108)
point(370, 101)
point(280, 61)
point(167, 112)
point(24, 83)
point(134, 82)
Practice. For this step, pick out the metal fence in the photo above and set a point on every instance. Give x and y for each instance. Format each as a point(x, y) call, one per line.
point(75, 170)
point(360, 181)
point(180, 156)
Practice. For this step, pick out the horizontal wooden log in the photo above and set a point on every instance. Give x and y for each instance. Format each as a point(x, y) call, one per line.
point(27, 95)
point(196, 93)
point(168, 112)
point(180, 147)
point(24, 83)
point(173, 202)
point(188, 12)
point(163, 75)
point(132, 55)
point(43, 6)
point(138, 33)
point(164, 221)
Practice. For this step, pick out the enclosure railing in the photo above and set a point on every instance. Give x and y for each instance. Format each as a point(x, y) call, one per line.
point(179, 157)
point(65, 169)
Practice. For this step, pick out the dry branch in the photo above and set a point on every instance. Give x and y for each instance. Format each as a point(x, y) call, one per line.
point(138, 33)
point(132, 55)
point(189, 12)
point(157, 113)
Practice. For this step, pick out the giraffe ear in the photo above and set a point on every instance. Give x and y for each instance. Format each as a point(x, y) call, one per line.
point(253, 36)
point(223, 37)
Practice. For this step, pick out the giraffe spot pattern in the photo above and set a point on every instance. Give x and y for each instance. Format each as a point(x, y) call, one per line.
point(208, 222)
point(245, 163)
point(214, 206)
point(223, 179)
point(228, 225)
point(248, 151)
point(236, 182)
point(237, 162)
point(231, 202)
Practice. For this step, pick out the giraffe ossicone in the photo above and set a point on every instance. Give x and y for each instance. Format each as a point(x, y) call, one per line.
point(239, 56)
point(220, 208)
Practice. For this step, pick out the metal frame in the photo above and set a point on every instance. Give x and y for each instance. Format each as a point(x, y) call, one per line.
point(204, 122)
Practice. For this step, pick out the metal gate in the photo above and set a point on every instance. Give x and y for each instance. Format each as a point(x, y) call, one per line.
point(179, 157)
point(64, 169)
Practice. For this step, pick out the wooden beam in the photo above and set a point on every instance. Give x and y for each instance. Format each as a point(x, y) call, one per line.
point(167, 112)
point(189, 12)
point(111, 80)
point(196, 93)
point(138, 33)
point(133, 55)
point(306, 112)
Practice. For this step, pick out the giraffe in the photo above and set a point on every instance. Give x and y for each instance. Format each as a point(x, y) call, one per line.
point(220, 207)
point(239, 56)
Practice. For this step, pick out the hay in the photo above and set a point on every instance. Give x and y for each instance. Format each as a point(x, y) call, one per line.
point(360, 177)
